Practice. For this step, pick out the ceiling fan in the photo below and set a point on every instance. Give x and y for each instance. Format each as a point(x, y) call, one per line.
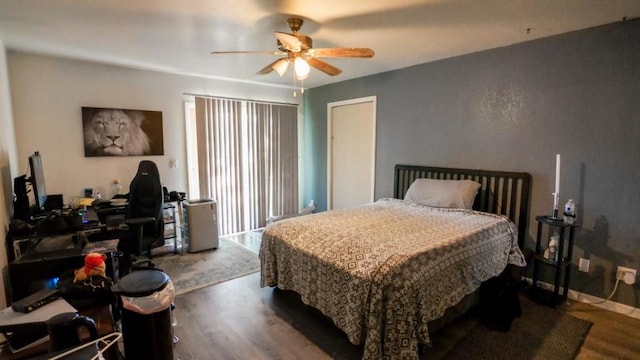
point(298, 49)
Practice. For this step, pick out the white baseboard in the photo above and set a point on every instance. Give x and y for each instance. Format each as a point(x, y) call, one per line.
point(590, 299)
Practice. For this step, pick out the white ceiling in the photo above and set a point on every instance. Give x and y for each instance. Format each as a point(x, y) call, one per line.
point(177, 36)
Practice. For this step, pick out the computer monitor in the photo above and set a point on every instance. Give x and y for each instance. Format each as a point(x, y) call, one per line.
point(37, 181)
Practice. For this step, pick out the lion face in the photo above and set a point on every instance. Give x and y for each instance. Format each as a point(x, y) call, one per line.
point(115, 132)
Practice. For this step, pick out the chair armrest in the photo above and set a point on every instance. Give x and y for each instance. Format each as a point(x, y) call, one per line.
point(139, 221)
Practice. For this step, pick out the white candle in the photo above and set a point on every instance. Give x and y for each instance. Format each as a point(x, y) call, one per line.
point(557, 192)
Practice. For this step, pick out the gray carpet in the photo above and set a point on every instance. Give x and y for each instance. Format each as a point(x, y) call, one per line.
point(540, 333)
point(192, 271)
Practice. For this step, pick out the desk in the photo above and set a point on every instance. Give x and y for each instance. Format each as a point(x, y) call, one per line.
point(11, 320)
point(37, 318)
point(31, 272)
point(33, 323)
point(110, 215)
point(20, 244)
point(41, 257)
point(48, 256)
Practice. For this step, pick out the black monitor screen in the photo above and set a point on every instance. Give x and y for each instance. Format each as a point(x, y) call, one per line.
point(37, 180)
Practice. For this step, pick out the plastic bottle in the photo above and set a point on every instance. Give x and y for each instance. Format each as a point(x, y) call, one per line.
point(569, 212)
point(553, 249)
point(84, 215)
point(95, 194)
point(116, 188)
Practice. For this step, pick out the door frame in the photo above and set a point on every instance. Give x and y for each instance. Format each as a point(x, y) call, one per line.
point(373, 99)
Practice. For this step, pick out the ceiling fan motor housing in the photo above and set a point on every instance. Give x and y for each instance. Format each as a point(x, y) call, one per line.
point(305, 43)
point(295, 23)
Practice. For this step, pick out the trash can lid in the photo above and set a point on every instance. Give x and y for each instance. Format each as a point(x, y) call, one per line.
point(141, 283)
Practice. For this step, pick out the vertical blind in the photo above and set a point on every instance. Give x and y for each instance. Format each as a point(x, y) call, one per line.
point(247, 160)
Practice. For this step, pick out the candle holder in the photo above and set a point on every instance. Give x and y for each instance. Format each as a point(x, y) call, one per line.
point(556, 190)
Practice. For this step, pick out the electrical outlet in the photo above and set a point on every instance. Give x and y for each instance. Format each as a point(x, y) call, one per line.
point(583, 265)
point(627, 275)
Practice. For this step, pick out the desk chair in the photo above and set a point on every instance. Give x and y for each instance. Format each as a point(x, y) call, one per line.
point(143, 219)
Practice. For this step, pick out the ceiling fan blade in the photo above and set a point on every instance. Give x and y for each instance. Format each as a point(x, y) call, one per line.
point(268, 52)
point(280, 66)
point(341, 52)
point(289, 41)
point(324, 66)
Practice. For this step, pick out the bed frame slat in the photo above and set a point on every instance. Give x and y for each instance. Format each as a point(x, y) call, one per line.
point(501, 192)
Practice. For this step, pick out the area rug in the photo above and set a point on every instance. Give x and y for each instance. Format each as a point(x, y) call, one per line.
point(192, 271)
point(540, 333)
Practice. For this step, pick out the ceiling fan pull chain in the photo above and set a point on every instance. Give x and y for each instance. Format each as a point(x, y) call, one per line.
point(295, 94)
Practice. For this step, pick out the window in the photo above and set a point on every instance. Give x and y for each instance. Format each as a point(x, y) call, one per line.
point(244, 155)
point(192, 151)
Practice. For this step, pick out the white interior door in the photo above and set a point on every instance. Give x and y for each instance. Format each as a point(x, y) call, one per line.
point(351, 152)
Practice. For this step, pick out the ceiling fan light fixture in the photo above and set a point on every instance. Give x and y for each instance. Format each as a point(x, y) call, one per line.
point(298, 50)
point(281, 67)
point(302, 68)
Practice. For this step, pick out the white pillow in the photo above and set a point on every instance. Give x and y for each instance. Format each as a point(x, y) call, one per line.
point(443, 193)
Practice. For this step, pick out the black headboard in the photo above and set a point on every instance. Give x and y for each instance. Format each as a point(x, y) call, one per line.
point(502, 192)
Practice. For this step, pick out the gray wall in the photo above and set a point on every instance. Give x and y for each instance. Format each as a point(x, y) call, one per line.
point(8, 167)
point(52, 123)
point(514, 108)
point(43, 110)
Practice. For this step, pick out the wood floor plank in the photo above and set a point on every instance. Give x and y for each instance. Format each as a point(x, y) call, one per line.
point(612, 336)
point(239, 320)
point(234, 320)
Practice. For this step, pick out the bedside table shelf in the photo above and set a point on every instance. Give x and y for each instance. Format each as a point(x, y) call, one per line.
point(561, 267)
point(541, 259)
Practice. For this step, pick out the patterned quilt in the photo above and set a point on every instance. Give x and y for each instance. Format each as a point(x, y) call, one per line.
point(382, 271)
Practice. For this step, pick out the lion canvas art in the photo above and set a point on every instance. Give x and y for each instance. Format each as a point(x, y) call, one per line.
point(121, 132)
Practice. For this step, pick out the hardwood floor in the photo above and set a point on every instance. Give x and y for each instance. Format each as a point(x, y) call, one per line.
point(239, 320)
point(249, 239)
point(612, 336)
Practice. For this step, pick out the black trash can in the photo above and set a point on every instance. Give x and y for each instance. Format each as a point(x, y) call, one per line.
point(147, 331)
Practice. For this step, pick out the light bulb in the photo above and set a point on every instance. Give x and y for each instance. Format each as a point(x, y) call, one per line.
point(281, 66)
point(302, 68)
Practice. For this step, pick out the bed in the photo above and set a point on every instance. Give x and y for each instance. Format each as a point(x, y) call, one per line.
point(383, 272)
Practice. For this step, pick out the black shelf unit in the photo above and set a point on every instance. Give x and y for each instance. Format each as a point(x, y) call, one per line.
point(170, 231)
point(561, 267)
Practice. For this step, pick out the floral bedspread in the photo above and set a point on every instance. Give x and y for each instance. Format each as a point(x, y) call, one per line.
point(382, 271)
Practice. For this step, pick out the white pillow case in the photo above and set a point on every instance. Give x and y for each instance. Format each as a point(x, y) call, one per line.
point(443, 193)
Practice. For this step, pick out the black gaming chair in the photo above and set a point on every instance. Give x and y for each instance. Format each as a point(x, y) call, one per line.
point(143, 216)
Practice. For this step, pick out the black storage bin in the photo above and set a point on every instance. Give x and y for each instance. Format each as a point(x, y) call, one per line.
point(146, 330)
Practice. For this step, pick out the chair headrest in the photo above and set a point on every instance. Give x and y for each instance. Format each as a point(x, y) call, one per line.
point(148, 167)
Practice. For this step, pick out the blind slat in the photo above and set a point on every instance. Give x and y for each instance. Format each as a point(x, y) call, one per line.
point(248, 160)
